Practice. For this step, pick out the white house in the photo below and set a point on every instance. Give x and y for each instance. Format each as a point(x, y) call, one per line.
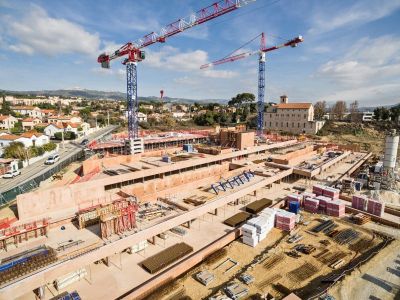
point(7, 122)
point(31, 111)
point(63, 119)
point(51, 129)
point(27, 138)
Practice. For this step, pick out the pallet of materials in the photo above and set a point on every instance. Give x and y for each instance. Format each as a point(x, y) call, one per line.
point(323, 201)
point(166, 257)
point(257, 206)
point(335, 208)
point(294, 197)
point(361, 219)
point(307, 195)
point(237, 219)
point(376, 208)
point(318, 189)
point(331, 192)
point(311, 205)
point(359, 202)
point(285, 220)
point(249, 235)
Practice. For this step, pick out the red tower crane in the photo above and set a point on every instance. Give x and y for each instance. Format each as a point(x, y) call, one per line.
point(134, 54)
point(261, 72)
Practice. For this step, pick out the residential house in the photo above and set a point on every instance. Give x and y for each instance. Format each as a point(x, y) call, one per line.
point(7, 122)
point(147, 106)
point(181, 116)
point(63, 119)
point(30, 123)
point(291, 117)
point(28, 139)
point(51, 129)
point(30, 111)
point(80, 129)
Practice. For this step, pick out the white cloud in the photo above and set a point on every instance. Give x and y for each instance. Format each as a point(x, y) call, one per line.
point(368, 61)
point(37, 32)
point(170, 58)
point(363, 11)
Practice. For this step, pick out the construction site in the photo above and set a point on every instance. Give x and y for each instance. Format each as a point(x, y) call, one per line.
point(200, 221)
point(229, 213)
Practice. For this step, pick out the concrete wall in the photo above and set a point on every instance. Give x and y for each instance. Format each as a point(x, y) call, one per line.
point(288, 158)
point(66, 200)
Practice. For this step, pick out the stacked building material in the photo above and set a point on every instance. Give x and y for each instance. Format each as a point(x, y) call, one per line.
point(318, 189)
point(359, 202)
point(311, 205)
point(361, 219)
point(159, 261)
point(249, 235)
point(335, 208)
point(375, 207)
point(331, 192)
point(323, 200)
point(285, 220)
point(307, 195)
point(294, 198)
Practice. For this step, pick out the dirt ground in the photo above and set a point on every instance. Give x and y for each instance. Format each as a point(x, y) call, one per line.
point(274, 271)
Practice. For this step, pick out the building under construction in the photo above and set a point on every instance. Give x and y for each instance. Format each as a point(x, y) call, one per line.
point(160, 213)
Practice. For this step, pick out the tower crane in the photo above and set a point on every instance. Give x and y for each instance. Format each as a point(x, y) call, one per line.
point(261, 72)
point(134, 53)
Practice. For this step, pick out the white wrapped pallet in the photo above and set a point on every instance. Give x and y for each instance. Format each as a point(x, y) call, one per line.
point(250, 241)
point(248, 230)
point(70, 278)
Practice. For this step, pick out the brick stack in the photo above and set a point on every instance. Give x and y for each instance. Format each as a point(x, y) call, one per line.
point(318, 189)
point(376, 208)
point(335, 208)
point(293, 198)
point(330, 192)
point(285, 220)
point(311, 205)
point(359, 202)
point(323, 200)
point(307, 195)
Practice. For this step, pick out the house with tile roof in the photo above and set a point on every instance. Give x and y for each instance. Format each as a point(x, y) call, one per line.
point(295, 118)
point(7, 122)
point(30, 123)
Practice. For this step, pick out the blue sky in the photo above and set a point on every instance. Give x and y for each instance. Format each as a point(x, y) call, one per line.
point(351, 48)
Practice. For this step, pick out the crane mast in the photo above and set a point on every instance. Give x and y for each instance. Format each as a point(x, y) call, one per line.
point(133, 53)
point(261, 72)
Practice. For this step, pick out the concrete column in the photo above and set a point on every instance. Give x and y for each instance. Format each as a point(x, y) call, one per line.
point(216, 211)
point(255, 193)
point(152, 240)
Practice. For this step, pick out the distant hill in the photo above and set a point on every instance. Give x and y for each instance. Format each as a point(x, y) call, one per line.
point(102, 95)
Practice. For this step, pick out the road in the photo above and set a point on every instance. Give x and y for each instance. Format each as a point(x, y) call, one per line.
point(66, 151)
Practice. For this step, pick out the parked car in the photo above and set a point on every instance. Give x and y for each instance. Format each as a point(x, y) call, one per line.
point(84, 142)
point(12, 174)
point(52, 159)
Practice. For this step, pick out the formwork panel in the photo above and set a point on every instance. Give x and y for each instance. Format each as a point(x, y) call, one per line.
point(166, 257)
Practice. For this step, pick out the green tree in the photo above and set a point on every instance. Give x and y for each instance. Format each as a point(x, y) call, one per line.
point(5, 107)
point(49, 147)
point(240, 99)
point(17, 128)
point(15, 150)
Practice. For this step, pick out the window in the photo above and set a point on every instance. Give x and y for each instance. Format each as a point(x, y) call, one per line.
point(304, 125)
point(287, 124)
point(276, 124)
point(292, 124)
point(270, 124)
point(298, 125)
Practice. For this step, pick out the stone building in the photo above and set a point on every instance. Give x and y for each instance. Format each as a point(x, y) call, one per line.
point(291, 117)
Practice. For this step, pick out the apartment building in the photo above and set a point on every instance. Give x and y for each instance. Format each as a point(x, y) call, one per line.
point(291, 117)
